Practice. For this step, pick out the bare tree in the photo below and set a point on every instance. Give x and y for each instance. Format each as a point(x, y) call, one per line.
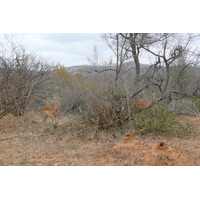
point(120, 49)
point(136, 42)
point(164, 51)
point(24, 77)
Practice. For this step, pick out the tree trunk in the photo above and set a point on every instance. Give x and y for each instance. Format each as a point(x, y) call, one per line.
point(135, 54)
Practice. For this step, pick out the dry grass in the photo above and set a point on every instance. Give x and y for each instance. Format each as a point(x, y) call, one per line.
point(28, 141)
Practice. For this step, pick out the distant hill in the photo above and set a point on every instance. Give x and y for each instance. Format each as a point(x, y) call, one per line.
point(129, 67)
point(76, 68)
point(89, 68)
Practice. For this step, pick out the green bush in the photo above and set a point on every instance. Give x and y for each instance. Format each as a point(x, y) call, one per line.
point(196, 101)
point(160, 121)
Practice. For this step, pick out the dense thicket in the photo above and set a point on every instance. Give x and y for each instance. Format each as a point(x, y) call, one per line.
point(24, 79)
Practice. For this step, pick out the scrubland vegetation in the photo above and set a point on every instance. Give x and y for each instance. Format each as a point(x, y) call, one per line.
point(101, 103)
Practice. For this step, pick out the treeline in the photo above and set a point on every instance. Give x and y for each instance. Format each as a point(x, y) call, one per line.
point(105, 93)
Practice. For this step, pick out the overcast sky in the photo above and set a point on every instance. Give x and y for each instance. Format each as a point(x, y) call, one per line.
point(68, 49)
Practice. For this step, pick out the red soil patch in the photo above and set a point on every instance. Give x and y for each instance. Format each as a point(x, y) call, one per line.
point(150, 154)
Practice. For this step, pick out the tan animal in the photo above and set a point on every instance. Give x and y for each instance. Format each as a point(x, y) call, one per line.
point(145, 103)
point(50, 111)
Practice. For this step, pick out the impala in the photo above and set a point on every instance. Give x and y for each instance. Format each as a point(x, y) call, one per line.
point(50, 111)
point(145, 103)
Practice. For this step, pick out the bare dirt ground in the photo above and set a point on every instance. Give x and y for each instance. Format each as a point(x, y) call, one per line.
point(28, 141)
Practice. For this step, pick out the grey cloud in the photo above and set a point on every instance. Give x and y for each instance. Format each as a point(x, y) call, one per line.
point(66, 48)
point(70, 37)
